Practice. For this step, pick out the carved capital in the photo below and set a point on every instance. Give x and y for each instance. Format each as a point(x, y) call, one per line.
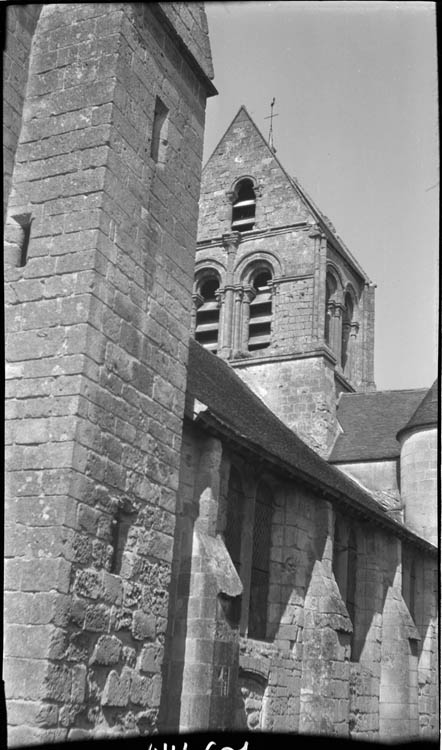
point(316, 232)
point(338, 309)
point(231, 240)
point(239, 293)
point(354, 329)
point(274, 287)
point(197, 300)
point(220, 296)
point(249, 293)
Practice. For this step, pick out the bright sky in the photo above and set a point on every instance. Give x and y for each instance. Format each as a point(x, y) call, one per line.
point(356, 96)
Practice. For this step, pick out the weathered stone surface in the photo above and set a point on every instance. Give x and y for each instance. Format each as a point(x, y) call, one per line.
point(107, 650)
point(117, 688)
point(146, 587)
point(97, 344)
point(143, 626)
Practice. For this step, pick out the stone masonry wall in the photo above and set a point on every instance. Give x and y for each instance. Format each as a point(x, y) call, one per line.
point(20, 26)
point(301, 393)
point(245, 153)
point(419, 481)
point(317, 670)
point(97, 324)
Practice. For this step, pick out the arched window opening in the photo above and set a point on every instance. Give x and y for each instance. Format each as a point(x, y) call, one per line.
point(244, 207)
point(207, 315)
point(233, 538)
point(260, 318)
point(260, 577)
point(158, 144)
point(330, 289)
point(347, 319)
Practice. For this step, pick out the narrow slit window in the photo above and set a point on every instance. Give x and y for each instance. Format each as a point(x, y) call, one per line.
point(345, 559)
point(260, 578)
point(260, 319)
point(233, 539)
point(25, 242)
point(409, 580)
point(244, 207)
point(207, 316)
point(158, 144)
point(21, 229)
point(121, 526)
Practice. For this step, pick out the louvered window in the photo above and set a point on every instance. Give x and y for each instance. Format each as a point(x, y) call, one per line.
point(244, 207)
point(259, 584)
point(207, 316)
point(346, 324)
point(329, 292)
point(260, 313)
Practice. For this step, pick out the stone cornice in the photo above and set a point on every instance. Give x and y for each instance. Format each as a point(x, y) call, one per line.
point(253, 359)
point(253, 234)
point(294, 277)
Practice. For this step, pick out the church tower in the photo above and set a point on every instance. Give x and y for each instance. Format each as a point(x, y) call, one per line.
point(276, 291)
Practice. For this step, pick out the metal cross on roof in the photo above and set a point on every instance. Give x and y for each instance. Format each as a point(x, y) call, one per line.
point(270, 117)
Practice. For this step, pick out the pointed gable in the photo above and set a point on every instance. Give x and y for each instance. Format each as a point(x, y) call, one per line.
point(243, 152)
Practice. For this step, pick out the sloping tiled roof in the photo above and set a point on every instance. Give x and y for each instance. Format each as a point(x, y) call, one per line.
point(426, 413)
point(370, 422)
point(235, 411)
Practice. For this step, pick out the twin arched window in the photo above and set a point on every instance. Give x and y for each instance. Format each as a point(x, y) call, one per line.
point(245, 325)
point(339, 324)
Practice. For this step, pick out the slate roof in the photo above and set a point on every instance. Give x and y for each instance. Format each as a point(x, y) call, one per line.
point(370, 422)
point(238, 414)
point(426, 413)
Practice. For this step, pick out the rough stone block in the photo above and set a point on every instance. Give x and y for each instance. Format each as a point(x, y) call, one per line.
point(107, 650)
point(143, 626)
point(117, 688)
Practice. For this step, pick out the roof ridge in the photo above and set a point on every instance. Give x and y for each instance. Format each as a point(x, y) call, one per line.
point(387, 390)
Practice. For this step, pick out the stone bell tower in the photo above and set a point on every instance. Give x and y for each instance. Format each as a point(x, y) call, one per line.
point(276, 291)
